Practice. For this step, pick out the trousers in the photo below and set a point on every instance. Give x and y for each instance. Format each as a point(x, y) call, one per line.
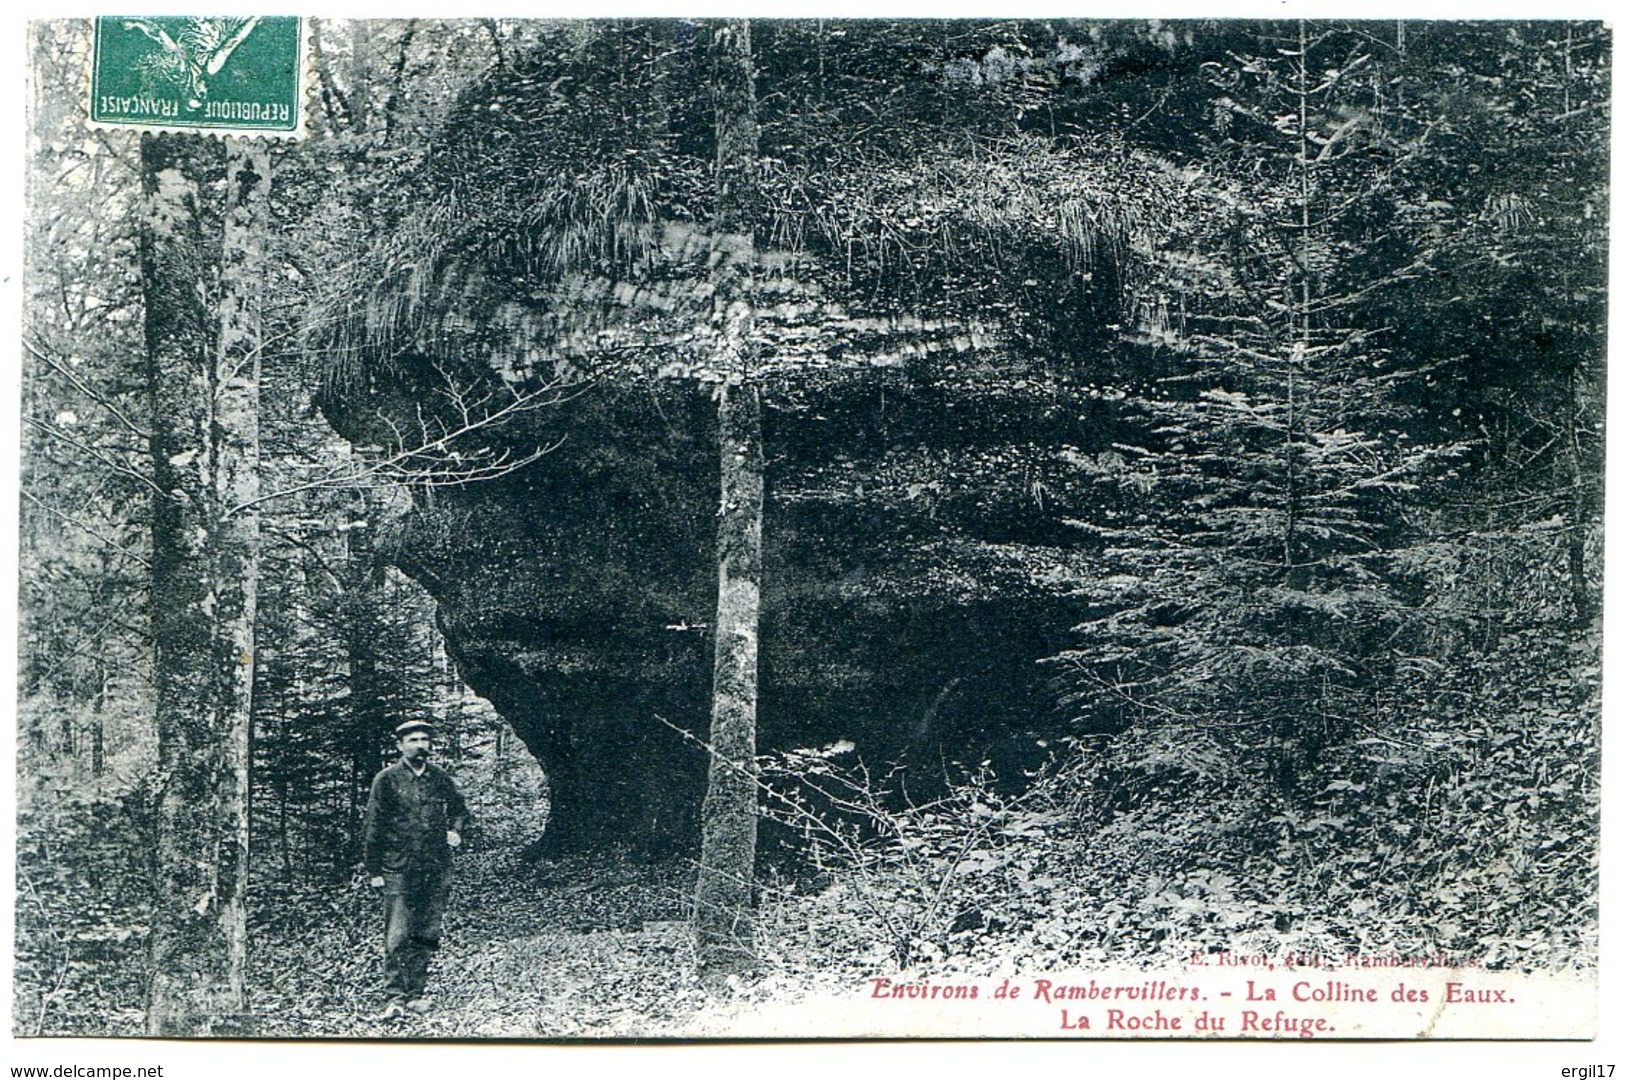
point(414, 902)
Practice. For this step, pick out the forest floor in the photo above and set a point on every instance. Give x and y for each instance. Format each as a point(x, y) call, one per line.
point(1482, 847)
point(582, 948)
point(589, 947)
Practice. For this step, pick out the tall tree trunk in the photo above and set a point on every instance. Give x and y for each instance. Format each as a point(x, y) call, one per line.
point(725, 903)
point(283, 795)
point(98, 719)
point(724, 909)
point(363, 630)
point(202, 273)
point(1582, 509)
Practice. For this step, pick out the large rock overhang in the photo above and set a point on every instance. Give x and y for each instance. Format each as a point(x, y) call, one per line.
point(899, 612)
point(923, 433)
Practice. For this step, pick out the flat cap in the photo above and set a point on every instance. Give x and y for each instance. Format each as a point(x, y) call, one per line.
point(403, 730)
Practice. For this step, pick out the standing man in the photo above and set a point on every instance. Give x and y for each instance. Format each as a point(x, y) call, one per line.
point(415, 816)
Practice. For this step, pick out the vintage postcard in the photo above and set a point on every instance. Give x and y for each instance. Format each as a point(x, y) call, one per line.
point(1040, 529)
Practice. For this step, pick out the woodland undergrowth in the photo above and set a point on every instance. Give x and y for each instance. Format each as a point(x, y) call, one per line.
point(1464, 828)
point(1468, 832)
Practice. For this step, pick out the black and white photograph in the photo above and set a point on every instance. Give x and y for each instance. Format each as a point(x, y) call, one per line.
point(589, 530)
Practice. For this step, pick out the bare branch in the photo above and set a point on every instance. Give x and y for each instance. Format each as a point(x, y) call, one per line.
point(62, 436)
point(94, 395)
point(406, 467)
point(320, 557)
point(81, 526)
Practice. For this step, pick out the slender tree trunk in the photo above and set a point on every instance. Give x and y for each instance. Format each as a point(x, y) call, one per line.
point(724, 909)
point(363, 630)
point(725, 903)
point(202, 274)
point(1581, 510)
point(284, 848)
point(98, 730)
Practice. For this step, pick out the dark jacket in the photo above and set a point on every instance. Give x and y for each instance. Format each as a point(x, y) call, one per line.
point(407, 819)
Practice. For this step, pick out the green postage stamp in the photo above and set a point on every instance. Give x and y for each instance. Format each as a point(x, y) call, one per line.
point(226, 75)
